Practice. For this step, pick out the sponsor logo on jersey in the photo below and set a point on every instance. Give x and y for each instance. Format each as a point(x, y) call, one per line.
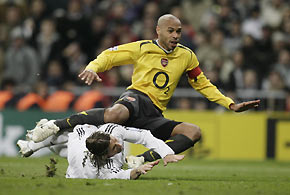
point(131, 99)
point(113, 48)
point(164, 62)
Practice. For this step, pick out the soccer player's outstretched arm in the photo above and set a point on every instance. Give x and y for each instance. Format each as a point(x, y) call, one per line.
point(207, 89)
point(200, 83)
point(116, 56)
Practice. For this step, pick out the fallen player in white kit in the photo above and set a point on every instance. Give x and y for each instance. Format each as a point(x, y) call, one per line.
point(98, 152)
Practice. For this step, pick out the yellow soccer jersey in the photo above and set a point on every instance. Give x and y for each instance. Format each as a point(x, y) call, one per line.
point(156, 72)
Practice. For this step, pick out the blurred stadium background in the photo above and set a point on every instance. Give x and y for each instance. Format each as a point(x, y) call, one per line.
point(243, 47)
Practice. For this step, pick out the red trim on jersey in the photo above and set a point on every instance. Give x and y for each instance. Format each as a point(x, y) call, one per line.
point(194, 72)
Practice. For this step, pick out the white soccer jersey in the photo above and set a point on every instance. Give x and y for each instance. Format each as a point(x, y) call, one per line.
point(80, 165)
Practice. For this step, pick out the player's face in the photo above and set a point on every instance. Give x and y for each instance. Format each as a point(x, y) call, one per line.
point(114, 147)
point(169, 34)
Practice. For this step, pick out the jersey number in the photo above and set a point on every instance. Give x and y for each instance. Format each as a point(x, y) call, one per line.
point(165, 83)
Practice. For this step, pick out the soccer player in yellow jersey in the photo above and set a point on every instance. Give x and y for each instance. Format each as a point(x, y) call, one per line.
point(158, 66)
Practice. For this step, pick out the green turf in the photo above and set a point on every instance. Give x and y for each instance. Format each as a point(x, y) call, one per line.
point(191, 176)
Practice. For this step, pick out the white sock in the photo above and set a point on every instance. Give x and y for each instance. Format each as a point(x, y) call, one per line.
point(50, 141)
point(43, 144)
point(60, 149)
point(60, 139)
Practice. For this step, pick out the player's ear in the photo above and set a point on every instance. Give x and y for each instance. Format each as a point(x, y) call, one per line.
point(157, 30)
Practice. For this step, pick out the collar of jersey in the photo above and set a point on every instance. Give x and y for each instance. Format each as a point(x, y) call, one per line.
point(166, 51)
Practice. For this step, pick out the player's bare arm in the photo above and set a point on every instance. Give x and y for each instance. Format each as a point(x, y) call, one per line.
point(245, 106)
point(89, 76)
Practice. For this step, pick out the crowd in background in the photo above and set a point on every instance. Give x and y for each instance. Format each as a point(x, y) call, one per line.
point(44, 44)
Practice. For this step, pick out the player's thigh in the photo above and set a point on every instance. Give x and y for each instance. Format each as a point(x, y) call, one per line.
point(160, 127)
point(118, 113)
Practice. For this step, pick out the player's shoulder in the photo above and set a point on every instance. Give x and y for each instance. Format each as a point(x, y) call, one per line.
point(136, 44)
point(144, 42)
point(110, 128)
point(84, 129)
point(184, 48)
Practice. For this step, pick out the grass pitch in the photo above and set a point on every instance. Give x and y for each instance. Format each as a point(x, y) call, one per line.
point(190, 176)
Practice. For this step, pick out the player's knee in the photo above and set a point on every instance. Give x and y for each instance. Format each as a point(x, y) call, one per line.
point(196, 133)
point(192, 131)
point(116, 114)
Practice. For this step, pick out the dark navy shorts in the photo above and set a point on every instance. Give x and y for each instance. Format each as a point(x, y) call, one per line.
point(145, 115)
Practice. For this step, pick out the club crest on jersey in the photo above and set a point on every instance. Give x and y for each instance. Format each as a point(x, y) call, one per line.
point(164, 62)
point(131, 99)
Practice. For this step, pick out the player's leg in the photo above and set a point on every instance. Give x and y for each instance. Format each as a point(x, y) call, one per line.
point(118, 113)
point(28, 147)
point(187, 134)
point(93, 116)
point(60, 149)
point(182, 137)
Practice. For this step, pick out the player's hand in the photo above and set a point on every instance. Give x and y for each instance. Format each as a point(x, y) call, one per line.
point(245, 106)
point(148, 166)
point(89, 76)
point(171, 158)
